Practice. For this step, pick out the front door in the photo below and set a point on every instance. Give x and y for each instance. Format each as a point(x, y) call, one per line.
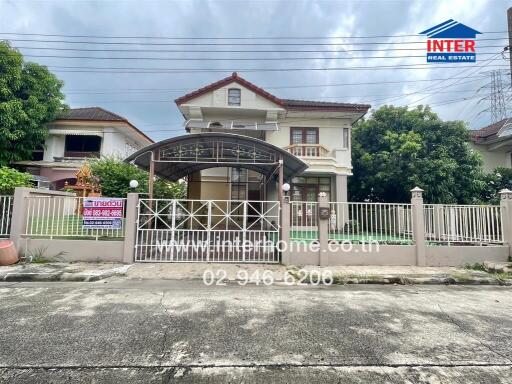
point(306, 213)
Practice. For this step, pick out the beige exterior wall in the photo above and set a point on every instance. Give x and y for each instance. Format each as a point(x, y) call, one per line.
point(219, 98)
point(493, 159)
point(213, 106)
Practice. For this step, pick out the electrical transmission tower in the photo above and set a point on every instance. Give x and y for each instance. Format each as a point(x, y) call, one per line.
point(497, 96)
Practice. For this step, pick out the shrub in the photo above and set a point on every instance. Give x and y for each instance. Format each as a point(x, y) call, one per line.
point(114, 176)
point(11, 178)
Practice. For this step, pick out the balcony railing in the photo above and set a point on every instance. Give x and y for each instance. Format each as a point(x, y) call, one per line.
point(308, 150)
point(81, 154)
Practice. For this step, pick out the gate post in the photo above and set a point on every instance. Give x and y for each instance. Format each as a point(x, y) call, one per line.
point(323, 229)
point(19, 215)
point(418, 225)
point(284, 241)
point(506, 216)
point(130, 227)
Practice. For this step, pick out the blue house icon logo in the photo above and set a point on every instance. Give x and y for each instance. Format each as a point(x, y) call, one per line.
point(451, 42)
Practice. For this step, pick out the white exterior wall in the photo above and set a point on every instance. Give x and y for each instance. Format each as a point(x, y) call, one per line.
point(54, 147)
point(114, 141)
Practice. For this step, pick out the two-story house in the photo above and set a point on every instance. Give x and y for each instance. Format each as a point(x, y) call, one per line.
point(317, 132)
point(78, 134)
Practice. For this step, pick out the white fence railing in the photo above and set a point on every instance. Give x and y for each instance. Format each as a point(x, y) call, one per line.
point(362, 222)
point(207, 231)
point(61, 217)
point(6, 202)
point(468, 224)
point(304, 220)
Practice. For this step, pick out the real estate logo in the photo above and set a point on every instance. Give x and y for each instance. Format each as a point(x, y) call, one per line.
point(451, 42)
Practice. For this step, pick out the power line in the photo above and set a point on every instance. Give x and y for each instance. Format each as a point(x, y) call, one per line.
point(315, 98)
point(218, 37)
point(232, 44)
point(131, 70)
point(231, 51)
point(229, 58)
point(487, 63)
point(268, 87)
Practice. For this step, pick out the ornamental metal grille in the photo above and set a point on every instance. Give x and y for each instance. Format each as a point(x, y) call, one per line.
point(207, 231)
point(217, 151)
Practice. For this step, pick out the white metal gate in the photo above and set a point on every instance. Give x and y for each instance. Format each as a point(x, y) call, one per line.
point(207, 231)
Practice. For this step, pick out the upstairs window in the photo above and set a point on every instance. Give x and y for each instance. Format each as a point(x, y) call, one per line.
point(234, 96)
point(82, 146)
point(345, 138)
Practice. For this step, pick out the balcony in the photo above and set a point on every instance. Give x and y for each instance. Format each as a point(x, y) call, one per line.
point(308, 150)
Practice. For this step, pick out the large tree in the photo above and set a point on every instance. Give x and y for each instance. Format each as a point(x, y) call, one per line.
point(30, 97)
point(398, 148)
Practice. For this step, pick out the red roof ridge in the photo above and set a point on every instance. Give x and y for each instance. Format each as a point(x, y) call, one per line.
point(218, 84)
point(234, 77)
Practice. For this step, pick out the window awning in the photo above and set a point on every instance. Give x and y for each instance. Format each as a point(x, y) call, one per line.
point(180, 156)
point(231, 124)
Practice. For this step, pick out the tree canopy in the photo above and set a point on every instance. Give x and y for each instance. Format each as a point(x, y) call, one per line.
point(398, 148)
point(30, 97)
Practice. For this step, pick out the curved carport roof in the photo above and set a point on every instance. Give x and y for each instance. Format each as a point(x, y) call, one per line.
point(180, 156)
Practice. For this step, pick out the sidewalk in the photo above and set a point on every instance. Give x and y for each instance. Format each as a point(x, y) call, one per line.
point(61, 271)
point(251, 273)
point(340, 274)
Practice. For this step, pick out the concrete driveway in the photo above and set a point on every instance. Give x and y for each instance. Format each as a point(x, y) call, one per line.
point(182, 331)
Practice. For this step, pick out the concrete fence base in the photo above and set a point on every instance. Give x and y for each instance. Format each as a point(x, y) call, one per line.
point(419, 253)
point(416, 253)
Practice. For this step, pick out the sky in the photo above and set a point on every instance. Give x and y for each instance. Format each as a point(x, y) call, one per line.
point(91, 34)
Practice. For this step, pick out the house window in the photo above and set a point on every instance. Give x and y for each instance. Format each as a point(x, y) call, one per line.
point(346, 138)
point(38, 153)
point(308, 188)
point(304, 136)
point(234, 96)
point(82, 146)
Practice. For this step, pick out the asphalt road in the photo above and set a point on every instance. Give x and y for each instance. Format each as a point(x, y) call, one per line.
point(126, 331)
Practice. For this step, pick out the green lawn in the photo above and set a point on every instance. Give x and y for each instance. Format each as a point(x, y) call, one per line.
point(69, 226)
point(359, 237)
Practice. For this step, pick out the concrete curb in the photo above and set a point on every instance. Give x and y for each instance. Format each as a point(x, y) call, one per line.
point(64, 276)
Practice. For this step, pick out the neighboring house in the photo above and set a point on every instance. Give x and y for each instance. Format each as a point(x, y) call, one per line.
point(494, 143)
point(78, 134)
point(317, 132)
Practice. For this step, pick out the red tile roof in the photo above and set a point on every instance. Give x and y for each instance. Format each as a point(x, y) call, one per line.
point(285, 103)
point(315, 105)
point(478, 135)
point(91, 113)
point(97, 114)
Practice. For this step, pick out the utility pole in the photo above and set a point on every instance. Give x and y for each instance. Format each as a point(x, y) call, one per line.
point(509, 48)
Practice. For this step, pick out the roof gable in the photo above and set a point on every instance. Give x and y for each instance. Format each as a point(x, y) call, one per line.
point(451, 29)
point(97, 114)
point(234, 78)
point(303, 105)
